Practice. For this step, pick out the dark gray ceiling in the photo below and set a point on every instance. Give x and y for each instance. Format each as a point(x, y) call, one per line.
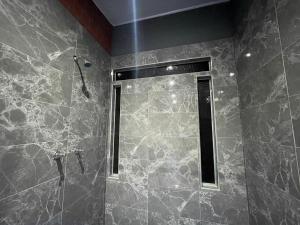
point(120, 12)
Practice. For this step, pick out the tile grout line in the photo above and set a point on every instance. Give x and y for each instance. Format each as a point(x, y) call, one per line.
point(27, 189)
point(242, 136)
point(68, 140)
point(288, 96)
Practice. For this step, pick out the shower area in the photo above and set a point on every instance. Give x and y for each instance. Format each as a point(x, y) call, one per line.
point(190, 117)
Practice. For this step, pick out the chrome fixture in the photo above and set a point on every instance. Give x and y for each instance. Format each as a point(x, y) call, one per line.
point(86, 64)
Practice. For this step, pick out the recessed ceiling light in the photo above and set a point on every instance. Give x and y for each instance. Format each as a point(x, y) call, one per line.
point(171, 82)
point(248, 55)
point(170, 68)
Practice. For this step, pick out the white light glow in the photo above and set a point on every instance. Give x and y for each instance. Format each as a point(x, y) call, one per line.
point(173, 95)
point(231, 74)
point(170, 68)
point(248, 55)
point(171, 82)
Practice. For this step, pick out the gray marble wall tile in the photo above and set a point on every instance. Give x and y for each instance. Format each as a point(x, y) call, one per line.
point(23, 76)
point(83, 123)
point(84, 199)
point(268, 205)
point(295, 110)
point(24, 121)
point(172, 148)
point(288, 19)
point(292, 67)
point(172, 204)
point(170, 144)
point(174, 174)
point(33, 206)
point(133, 171)
point(260, 38)
point(231, 166)
point(275, 164)
point(266, 85)
point(135, 125)
point(174, 125)
point(134, 147)
point(134, 103)
point(220, 208)
point(177, 101)
point(38, 41)
point(92, 153)
point(227, 113)
point(49, 42)
point(268, 123)
point(56, 220)
point(25, 166)
point(126, 194)
point(116, 214)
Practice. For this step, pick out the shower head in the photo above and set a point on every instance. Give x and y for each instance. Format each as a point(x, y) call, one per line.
point(86, 63)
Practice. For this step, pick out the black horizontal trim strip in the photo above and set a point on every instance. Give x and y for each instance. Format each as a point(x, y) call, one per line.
point(170, 68)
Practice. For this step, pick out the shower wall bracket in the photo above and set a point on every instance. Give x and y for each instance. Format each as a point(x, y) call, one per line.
point(58, 160)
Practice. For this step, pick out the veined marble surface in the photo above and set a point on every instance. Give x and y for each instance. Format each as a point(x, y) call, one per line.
point(159, 178)
point(43, 112)
point(268, 83)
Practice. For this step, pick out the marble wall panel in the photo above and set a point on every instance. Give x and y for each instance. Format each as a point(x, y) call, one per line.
point(43, 112)
point(268, 89)
point(163, 152)
point(36, 205)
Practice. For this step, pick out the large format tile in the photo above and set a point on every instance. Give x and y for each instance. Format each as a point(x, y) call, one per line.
point(172, 148)
point(266, 85)
point(116, 214)
point(23, 76)
point(133, 171)
point(292, 67)
point(25, 166)
point(288, 12)
point(260, 38)
point(174, 174)
point(34, 206)
point(172, 204)
point(134, 103)
point(268, 205)
point(269, 123)
point(126, 194)
point(275, 164)
point(41, 38)
point(174, 124)
point(220, 208)
point(83, 199)
point(23, 121)
point(134, 147)
point(231, 166)
point(295, 110)
point(177, 101)
point(84, 123)
point(227, 112)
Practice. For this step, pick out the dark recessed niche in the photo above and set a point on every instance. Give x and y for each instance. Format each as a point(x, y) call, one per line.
point(117, 106)
point(172, 68)
point(208, 169)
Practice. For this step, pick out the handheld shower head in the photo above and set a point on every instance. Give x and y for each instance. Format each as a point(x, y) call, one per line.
point(84, 88)
point(87, 63)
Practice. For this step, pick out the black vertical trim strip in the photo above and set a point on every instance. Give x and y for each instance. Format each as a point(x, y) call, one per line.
point(117, 107)
point(206, 132)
